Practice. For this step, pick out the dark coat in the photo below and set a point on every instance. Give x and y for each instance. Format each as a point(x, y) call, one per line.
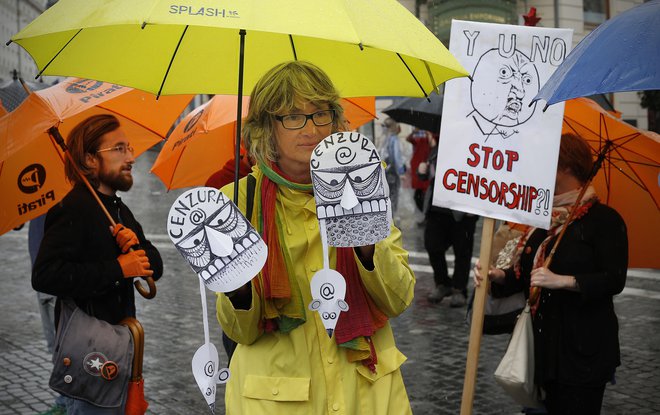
point(78, 256)
point(576, 334)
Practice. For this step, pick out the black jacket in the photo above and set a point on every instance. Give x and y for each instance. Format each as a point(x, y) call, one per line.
point(78, 256)
point(576, 334)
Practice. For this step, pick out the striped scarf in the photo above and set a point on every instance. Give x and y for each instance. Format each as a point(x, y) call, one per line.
point(282, 302)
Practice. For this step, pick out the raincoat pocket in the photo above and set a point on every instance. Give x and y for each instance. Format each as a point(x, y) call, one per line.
point(274, 388)
point(389, 360)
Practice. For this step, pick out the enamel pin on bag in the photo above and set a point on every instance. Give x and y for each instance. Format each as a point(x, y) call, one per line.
point(515, 373)
point(92, 358)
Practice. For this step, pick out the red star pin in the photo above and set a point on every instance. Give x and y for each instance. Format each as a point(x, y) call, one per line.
point(530, 17)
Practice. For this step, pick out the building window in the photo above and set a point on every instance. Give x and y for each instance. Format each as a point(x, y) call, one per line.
point(595, 11)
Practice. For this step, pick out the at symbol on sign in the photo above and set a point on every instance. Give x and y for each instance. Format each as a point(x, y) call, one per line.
point(327, 291)
point(209, 369)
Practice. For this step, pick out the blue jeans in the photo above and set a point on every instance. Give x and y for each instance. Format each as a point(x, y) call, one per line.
point(78, 407)
point(47, 311)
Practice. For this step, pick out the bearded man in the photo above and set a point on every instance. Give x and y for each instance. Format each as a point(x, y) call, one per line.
point(81, 256)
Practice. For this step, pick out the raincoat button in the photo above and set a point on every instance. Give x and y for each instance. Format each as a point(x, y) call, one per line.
point(330, 360)
point(116, 283)
point(68, 379)
point(66, 361)
point(335, 406)
point(275, 391)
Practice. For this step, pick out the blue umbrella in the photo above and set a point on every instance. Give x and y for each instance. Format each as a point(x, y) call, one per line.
point(622, 54)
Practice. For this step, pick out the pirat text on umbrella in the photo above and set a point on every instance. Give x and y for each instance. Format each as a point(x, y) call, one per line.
point(24, 208)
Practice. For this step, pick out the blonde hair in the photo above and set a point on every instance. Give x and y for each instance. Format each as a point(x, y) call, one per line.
point(278, 92)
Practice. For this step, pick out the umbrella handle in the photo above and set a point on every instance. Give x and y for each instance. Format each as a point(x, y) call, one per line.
point(144, 292)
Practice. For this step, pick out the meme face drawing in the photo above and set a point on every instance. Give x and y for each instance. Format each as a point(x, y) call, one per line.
point(502, 88)
point(218, 242)
point(349, 189)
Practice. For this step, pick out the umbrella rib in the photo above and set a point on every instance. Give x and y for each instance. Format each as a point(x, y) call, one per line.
point(293, 48)
point(617, 144)
point(162, 84)
point(57, 54)
point(171, 181)
point(151, 130)
point(637, 180)
point(58, 149)
point(360, 107)
point(428, 70)
point(414, 77)
point(635, 162)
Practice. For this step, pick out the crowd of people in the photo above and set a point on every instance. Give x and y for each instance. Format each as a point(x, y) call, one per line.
point(281, 357)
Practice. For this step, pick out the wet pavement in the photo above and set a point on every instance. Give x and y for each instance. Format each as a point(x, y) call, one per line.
point(433, 337)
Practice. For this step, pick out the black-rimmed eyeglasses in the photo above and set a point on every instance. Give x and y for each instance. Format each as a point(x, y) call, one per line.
point(298, 121)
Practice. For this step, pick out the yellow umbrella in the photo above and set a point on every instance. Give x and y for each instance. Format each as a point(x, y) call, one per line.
point(367, 47)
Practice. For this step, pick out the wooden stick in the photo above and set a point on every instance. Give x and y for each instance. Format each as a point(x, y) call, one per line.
point(535, 291)
point(55, 133)
point(477, 325)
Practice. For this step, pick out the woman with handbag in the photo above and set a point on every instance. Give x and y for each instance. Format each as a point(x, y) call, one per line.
point(576, 339)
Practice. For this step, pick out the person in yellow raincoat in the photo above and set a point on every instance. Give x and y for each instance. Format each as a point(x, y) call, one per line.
point(285, 363)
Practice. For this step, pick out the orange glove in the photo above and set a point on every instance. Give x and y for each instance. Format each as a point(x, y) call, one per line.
point(135, 264)
point(125, 237)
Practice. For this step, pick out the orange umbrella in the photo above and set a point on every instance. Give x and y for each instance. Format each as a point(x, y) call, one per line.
point(628, 178)
point(204, 140)
point(31, 163)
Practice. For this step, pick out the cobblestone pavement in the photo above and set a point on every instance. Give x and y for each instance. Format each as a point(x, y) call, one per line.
point(434, 337)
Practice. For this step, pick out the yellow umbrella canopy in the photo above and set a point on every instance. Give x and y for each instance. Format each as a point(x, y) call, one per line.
point(367, 47)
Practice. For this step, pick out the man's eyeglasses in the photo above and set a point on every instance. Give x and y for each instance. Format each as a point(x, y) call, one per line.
point(121, 148)
point(298, 121)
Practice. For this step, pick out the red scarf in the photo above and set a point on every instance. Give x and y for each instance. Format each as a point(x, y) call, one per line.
point(280, 290)
point(561, 209)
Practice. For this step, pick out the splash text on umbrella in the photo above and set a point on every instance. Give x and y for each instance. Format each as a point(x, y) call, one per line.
point(203, 11)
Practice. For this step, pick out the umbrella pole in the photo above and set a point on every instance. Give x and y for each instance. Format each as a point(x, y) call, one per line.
point(55, 134)
point(599, 162)
point(239, 114)
point(477, 324)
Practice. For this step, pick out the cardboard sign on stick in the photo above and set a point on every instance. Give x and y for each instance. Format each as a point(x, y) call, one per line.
point(497, 154)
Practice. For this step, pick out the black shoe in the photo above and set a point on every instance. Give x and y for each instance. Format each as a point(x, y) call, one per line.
point(457, 299)
point(439, 293)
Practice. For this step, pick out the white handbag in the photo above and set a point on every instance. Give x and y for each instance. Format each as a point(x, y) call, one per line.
point(515, 373)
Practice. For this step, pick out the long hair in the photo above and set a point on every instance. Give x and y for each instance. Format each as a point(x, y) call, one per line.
point(575, 156)
point(85, 138)
point(277, 92)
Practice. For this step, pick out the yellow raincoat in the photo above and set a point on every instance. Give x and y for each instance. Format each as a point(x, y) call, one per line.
point(305, 372)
